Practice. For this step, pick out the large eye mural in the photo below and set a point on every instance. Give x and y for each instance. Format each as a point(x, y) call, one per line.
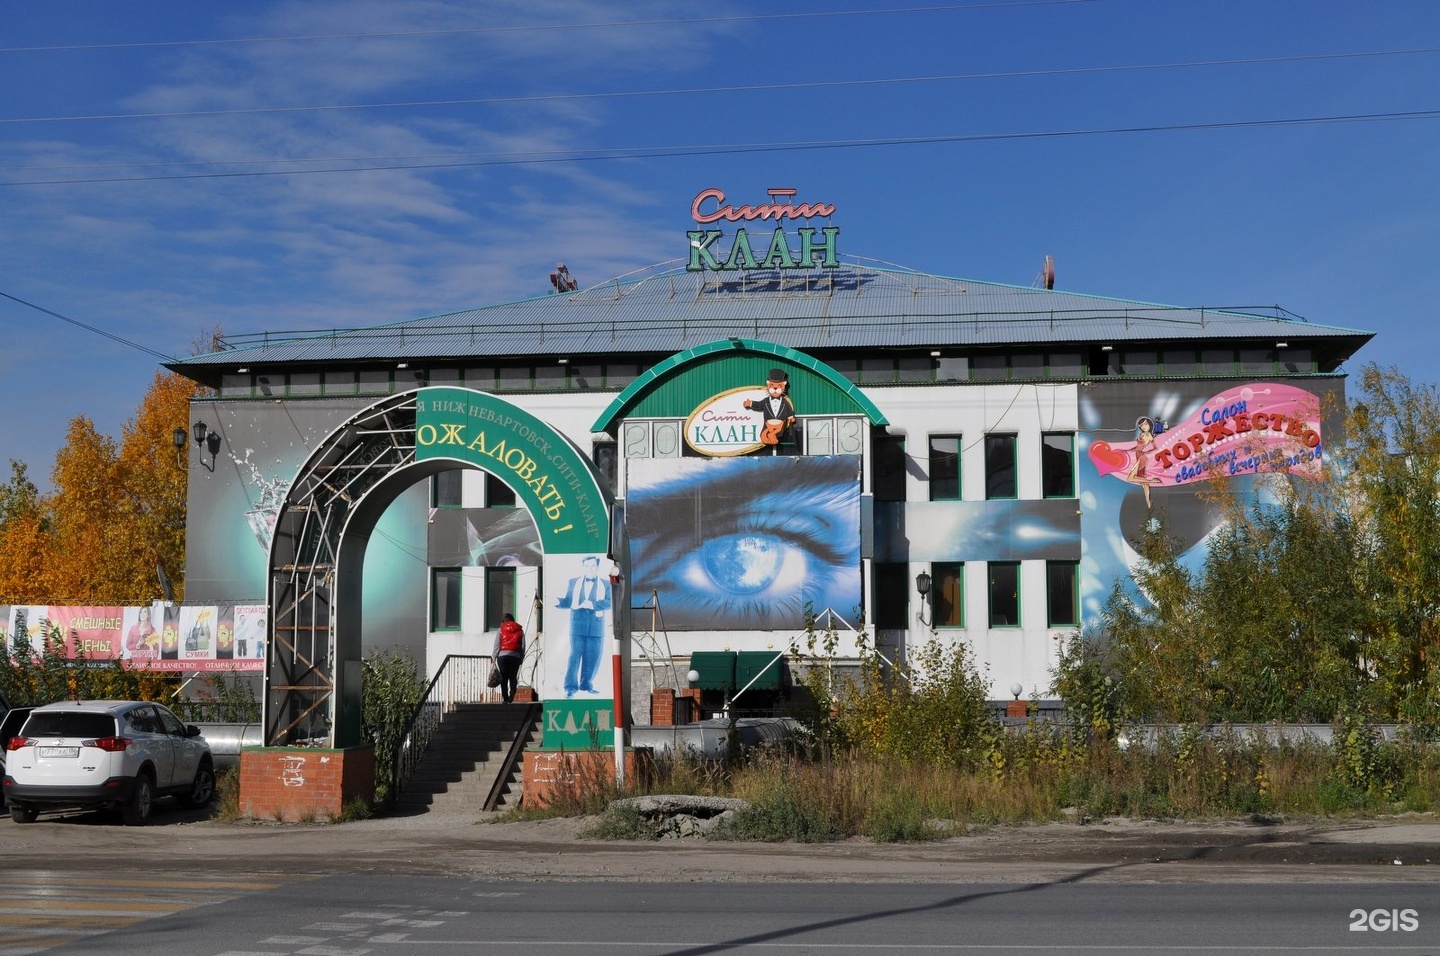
point(746, 543)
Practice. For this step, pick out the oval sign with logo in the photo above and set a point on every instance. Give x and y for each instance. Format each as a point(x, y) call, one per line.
point(724, 426)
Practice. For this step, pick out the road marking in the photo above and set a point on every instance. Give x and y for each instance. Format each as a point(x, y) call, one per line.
point(43, 909)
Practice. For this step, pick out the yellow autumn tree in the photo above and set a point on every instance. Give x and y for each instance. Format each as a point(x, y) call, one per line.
point(154, 479)
point(86, 516)
point(117, 512)
point(25, 540)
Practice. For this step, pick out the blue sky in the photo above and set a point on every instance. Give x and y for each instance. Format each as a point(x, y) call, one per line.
point(1334, 221)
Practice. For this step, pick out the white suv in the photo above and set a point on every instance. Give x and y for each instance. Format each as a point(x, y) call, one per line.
point(105, 753)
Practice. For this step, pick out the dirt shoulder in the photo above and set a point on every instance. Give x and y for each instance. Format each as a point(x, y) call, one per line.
point(1391, 849)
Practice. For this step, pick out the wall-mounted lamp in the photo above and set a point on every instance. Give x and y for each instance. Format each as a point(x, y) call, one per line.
point(1107, 348)
point(206, 439)
point(934, 353)
point(242, 371)
point(735, 342)
point(1281, 345)
point(922, 584)
point(403, 365)
point(179, 437)
point(563, 361)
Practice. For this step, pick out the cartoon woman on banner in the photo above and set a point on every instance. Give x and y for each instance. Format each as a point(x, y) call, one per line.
point(1144, 441)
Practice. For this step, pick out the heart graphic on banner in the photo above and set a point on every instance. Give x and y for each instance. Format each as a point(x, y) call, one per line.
point(1108, 459)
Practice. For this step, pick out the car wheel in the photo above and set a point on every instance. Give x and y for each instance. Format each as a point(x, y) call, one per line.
point(137, 809)
point(202, 791)
point(23, 814)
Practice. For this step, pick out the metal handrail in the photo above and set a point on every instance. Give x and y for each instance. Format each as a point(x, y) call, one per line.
point(461, 679)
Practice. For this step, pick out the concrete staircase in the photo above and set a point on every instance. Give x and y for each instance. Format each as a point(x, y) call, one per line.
point(466, 763)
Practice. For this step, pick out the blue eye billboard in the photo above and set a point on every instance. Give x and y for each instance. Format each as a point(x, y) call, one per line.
point(745, 543)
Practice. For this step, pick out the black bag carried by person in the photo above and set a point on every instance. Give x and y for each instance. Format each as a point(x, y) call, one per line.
point(494, 680)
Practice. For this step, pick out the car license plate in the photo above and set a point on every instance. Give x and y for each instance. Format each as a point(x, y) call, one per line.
point(59, 751)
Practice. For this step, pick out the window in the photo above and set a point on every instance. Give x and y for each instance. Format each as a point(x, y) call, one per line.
point(888, 468)
point(233, 386)
point(1057, 464)
point(514, 380)
point(947, 594)
point(618, 376)
point(1000, 466)
point(1297, 360)
point(1221, 361)
point(374, 381)
point(445, 489)
point(304, 383)
point(989, 368)
point(549, 377)
point(497, 493)
point(952, 369)
point(915, 368)
point(338, 383)
point(1179, 361)
point(444, 599)
point(892, 593)
point(1066, 365)
point(603, 454)
point(1004, 593)
point(1257, 361)
point(1062, 590)
point(1027, 365)
point(1140, 362)
point(499, 596)
point(875, 371)
point(444, 376)
point(944, 467)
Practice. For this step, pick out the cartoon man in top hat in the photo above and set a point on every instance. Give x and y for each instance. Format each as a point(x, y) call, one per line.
point(775, 406)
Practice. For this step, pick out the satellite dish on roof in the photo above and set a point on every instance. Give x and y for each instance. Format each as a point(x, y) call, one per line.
point(1046, 278)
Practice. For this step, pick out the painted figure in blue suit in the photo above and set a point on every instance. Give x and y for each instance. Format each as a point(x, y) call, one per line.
point(587, 598)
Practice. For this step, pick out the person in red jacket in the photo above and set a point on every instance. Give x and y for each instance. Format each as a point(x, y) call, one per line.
point(509, 652)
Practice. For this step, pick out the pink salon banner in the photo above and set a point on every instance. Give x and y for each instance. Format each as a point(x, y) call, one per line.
point(1255, 428)
point(153, 637)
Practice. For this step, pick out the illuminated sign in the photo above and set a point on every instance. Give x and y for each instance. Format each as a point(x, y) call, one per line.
point(817, 246)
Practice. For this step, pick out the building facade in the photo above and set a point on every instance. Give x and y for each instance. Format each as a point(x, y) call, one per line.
point(785, 430)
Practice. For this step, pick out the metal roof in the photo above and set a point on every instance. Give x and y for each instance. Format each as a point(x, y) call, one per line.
point(665, 310)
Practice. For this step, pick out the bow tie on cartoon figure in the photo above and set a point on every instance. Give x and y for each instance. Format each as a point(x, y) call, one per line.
point(775, 406)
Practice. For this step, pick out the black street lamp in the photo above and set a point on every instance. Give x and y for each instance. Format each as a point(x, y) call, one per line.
point(205, 438)
point(922, 584)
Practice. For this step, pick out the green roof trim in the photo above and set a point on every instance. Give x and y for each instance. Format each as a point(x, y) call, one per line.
point(628, 400)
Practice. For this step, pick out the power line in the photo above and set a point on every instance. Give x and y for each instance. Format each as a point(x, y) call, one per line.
point(716, 90)
point(535, 158)
point(90, 328)
point(540, 27)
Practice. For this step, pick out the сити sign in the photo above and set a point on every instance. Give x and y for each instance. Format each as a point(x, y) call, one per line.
point(817, 246)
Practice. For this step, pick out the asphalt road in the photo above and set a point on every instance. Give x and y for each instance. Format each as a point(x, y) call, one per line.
point(187, 885)
point(383, 915)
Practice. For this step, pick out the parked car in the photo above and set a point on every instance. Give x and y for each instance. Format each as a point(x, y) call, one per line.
point(11, 718)
point(105, 754)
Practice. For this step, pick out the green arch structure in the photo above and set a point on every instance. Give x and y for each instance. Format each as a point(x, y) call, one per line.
point(316, 564)
point(635, 394)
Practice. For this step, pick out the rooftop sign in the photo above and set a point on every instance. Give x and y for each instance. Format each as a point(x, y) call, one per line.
point(710, 206)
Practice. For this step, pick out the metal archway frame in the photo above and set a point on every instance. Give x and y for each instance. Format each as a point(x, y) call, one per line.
point(315, 575)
